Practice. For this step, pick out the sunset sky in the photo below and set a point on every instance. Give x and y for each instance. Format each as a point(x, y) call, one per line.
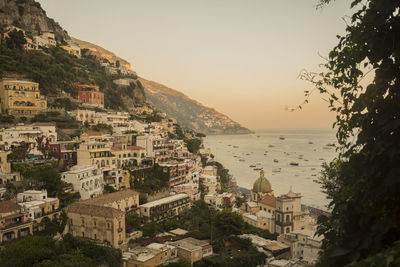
point(240, 57)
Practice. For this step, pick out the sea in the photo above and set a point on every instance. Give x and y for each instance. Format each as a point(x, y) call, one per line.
point(278, 152)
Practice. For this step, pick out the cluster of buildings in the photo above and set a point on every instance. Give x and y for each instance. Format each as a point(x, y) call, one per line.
point(21, 216)
point(109, 61)
point(92, 161)
point(159, 254)
point(283, 215)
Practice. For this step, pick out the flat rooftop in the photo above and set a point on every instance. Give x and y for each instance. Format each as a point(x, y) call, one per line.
point(164, 200)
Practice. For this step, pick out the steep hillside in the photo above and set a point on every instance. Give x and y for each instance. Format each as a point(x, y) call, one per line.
point(29, 15)
point(190, 113)
point(53, 68)
point(56, 70)
point(110, 56)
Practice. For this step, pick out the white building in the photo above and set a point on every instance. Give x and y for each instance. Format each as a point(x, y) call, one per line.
point(220, 201)
point(155, 145)
point(87, 180)
point(164, 208)
point(27, 133)
point(304, 244)
point(211, 183)
point(38, 204)
point(46, 39)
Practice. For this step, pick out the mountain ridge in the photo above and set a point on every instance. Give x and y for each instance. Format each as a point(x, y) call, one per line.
point(196, 116)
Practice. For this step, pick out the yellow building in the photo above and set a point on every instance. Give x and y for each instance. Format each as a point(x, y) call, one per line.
point(101, 224)
point(124, 200)
point(18, 97)
point(39, 206)
point(72, 49)
point(5, 166)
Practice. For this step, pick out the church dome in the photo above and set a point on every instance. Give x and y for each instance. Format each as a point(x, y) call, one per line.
point(262, 185)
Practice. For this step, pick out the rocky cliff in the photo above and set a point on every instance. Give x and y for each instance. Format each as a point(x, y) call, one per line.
point(190, 113)
point(29, 15)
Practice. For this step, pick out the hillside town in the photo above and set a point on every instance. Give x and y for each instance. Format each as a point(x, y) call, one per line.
point(132, 180)
point(107, 176)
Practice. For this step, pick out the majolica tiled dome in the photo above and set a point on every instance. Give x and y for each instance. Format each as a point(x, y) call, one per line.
point(262, 185)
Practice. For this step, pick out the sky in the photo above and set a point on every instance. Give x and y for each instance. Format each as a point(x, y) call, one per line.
point(240, 57)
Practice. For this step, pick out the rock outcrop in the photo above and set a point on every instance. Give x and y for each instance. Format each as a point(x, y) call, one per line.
point(137, 94)
point(29, 15)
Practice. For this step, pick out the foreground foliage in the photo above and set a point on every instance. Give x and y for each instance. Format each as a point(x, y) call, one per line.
point(44, 251)
point(364, 181)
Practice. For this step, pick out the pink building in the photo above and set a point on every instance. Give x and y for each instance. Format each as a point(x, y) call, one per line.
point(191, 189)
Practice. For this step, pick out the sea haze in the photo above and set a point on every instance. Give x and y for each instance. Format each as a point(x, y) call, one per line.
point(308, 148)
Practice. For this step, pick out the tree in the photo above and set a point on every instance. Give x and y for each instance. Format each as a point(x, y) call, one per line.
point(45, 174)
point(133, 220)
point(43, 145)
point(363, 182)
point(228, 223)
point(193, 144)
point(150, 229)
point(15, 40)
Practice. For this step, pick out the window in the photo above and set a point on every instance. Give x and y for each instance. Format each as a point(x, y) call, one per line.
point(83, 221)
point(108, 225)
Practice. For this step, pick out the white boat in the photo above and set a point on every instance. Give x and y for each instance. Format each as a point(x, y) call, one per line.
point(276, 169)
point(294, 163)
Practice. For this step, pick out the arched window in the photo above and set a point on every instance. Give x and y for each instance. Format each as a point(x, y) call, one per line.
point(287, 218)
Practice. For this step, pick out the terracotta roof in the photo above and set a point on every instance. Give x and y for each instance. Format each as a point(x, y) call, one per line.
point(269, 201)
point(9, 206)
point(135, 147)
point(116, 148)
point(109, 198)
point(93, 210)
point(93, 133)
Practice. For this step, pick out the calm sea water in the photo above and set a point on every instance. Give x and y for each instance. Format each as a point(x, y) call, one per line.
point(274, 150)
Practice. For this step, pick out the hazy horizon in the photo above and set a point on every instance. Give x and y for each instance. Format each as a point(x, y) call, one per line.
point(241, 58)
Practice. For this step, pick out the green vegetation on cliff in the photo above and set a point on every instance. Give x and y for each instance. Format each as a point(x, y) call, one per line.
point(55, 70)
